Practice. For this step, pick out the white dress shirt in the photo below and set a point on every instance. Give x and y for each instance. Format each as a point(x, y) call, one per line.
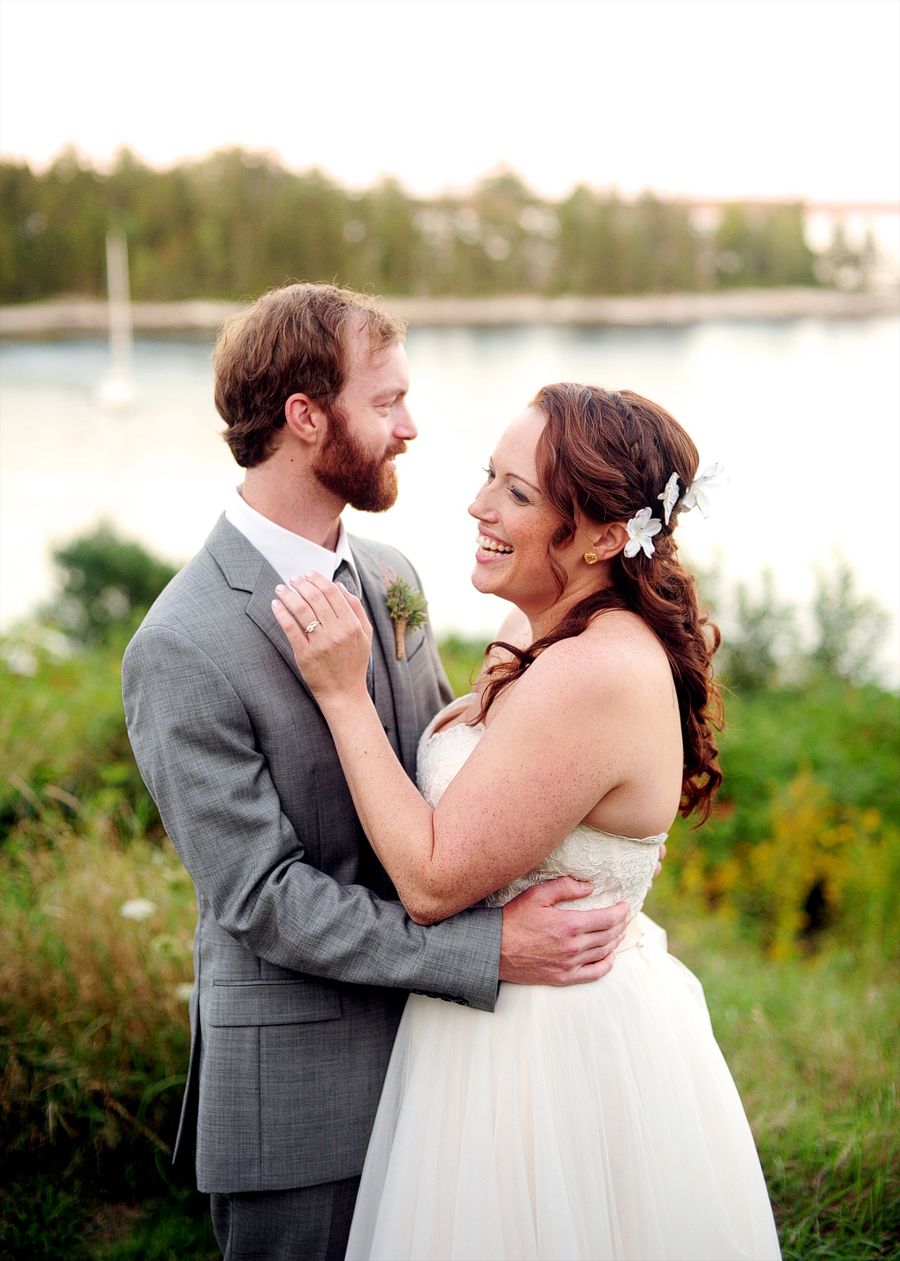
point(289, 554)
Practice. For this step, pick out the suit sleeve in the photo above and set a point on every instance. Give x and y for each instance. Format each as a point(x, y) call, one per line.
point(195, 746)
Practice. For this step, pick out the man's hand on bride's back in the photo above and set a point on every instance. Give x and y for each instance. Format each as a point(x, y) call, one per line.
point(545, 945)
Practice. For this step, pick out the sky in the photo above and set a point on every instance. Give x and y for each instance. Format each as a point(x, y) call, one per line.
point(703, 97)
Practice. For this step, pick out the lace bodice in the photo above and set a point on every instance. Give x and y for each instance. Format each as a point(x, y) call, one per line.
point(619, 867)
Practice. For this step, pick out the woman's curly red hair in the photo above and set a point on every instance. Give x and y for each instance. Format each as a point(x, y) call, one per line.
point(604, 456)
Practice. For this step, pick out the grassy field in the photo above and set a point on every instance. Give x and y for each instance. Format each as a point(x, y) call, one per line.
point(813, 1046)
point(785, 906)
point(99, 1048)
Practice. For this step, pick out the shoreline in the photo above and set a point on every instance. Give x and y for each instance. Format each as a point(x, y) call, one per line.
point(77, 317)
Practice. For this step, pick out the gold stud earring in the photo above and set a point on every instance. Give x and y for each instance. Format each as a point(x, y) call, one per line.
point(591, 558)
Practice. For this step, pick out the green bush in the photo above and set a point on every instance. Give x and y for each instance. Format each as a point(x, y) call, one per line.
point(65, 747)
point(849, 627)
point(762, 639)
point(108, 582)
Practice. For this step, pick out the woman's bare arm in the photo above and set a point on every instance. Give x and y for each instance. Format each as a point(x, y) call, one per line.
point(544, 762)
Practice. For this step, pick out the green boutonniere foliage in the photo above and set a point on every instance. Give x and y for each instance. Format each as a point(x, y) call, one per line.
point(406, 606)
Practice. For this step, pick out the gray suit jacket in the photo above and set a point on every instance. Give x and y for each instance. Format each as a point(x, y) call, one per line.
point(302, 955)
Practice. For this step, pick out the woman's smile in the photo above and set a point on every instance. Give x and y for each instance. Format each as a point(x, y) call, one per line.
point(491, 548)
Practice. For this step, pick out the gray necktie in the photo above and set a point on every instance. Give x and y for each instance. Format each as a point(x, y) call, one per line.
point(344, 575)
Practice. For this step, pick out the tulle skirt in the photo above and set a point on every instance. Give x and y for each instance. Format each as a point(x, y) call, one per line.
point(578, 1124)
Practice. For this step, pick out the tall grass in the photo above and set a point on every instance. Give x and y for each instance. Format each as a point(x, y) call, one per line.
point(97, 1043)
point(813, 1045)
point(98, 1029)
point(95, 1032)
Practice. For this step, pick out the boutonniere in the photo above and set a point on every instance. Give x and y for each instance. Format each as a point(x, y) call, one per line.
point(406, 606)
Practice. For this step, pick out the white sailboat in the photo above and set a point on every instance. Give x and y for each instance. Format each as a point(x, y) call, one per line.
point(116, 391)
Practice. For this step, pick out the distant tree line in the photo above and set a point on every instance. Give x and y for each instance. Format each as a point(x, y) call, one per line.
point(236, 223)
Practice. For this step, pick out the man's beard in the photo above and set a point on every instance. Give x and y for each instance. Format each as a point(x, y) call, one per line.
point(347, 469)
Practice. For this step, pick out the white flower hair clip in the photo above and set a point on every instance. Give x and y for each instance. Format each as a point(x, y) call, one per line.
point(697, 494)
point(641, 529)
point(669, 496)
point(643, 525)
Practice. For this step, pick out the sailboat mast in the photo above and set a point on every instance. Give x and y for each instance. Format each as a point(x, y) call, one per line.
point(121, 335)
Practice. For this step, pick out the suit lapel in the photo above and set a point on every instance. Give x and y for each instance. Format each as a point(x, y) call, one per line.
point(246, 569)
point(405, 709)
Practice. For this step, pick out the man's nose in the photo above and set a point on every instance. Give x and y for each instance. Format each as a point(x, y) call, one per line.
point(404, 425)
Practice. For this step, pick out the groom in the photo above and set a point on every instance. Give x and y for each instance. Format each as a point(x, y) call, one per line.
point(303, 956)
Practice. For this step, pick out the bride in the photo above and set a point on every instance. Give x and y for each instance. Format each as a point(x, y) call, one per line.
point(592, 1121)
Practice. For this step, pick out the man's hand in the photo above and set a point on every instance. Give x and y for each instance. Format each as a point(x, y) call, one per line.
point(545, 945)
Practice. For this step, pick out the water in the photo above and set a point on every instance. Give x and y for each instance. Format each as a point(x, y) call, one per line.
point(803, 414)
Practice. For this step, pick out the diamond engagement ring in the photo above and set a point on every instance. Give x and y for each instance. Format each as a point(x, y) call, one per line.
point(312, 626)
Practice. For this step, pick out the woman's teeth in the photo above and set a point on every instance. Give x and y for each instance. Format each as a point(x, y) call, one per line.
point(491, 545)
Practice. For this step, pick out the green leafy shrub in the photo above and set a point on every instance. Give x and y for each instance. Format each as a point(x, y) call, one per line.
point(65, 746)
point(108, 582)
point(849, 627)
point(762, 638)
point(847, 737)
point(766, 647)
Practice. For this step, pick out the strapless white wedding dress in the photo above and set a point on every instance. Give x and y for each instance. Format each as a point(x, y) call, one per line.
point(571, 1124)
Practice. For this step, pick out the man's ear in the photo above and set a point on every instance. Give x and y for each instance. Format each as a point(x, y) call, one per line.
point(305, 419)
point(608, 539)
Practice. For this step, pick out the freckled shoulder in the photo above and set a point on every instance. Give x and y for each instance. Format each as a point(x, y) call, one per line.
point(619, 630)
point(615, 653)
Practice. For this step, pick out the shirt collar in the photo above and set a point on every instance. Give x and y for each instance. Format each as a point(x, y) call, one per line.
point(289, 554)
